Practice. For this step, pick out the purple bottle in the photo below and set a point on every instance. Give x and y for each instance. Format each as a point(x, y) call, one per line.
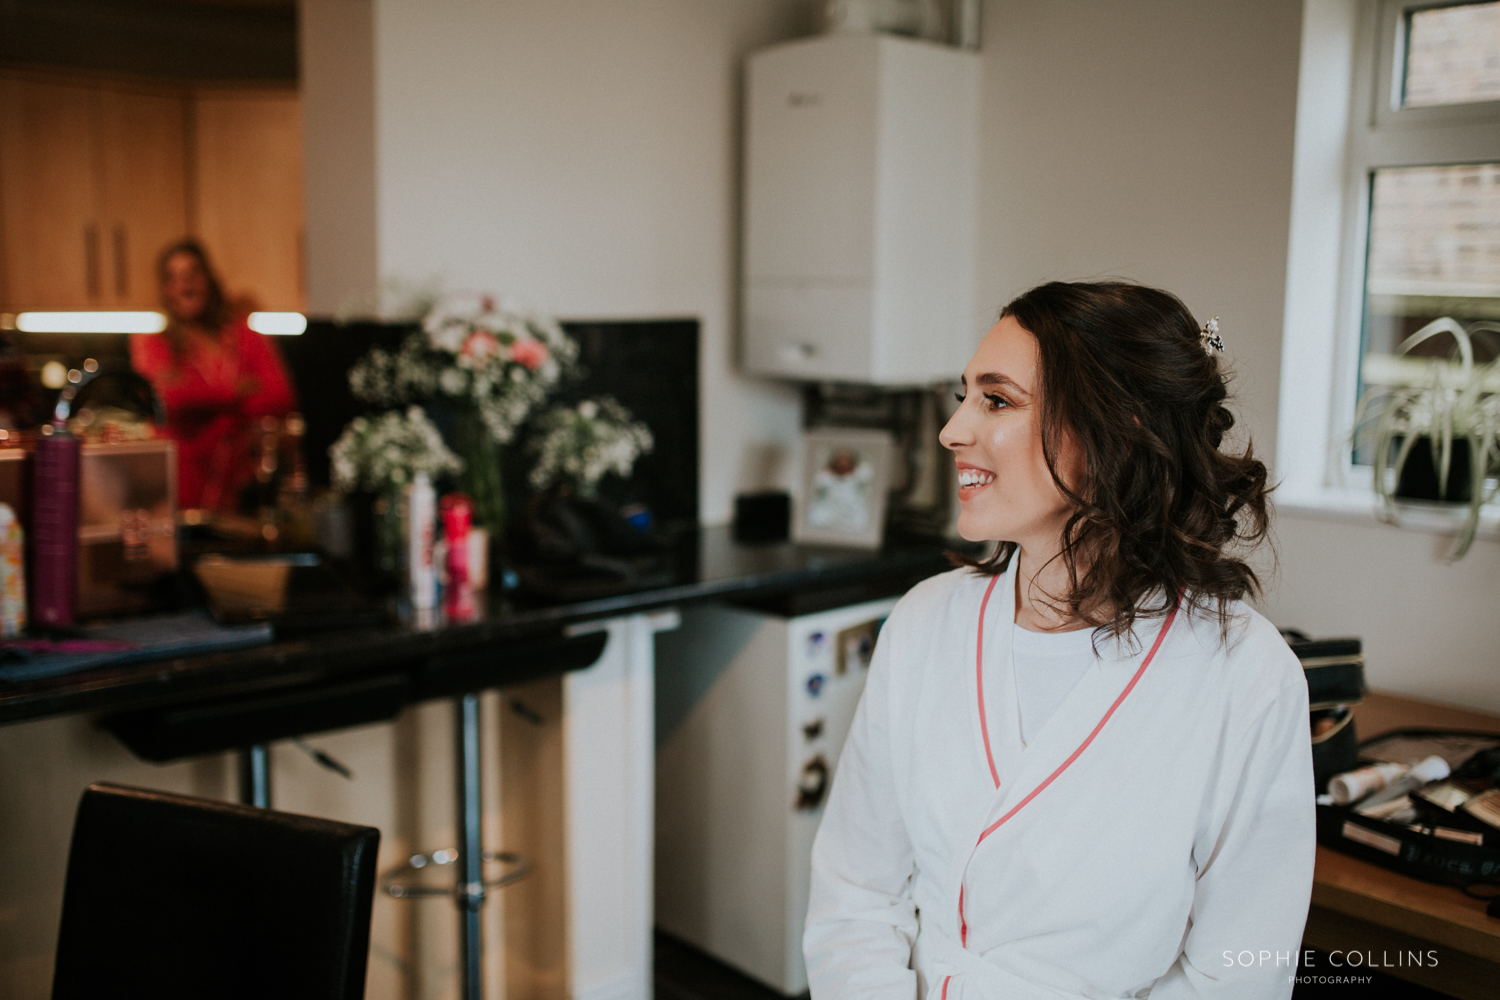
point(54, 527)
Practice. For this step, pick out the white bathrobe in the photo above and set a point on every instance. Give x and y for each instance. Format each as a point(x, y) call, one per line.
point(1155, 838)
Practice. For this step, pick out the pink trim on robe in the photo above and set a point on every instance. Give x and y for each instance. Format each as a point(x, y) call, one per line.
point(963, 927)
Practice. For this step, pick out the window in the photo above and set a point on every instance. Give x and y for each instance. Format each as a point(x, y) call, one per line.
point(1395, 221)
point(1452, 55)
point(1434, 250)
point(1432, 239)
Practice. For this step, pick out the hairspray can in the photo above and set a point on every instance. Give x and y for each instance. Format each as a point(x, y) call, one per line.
point(459, 597)
point(421, 522)
point(54, 527)
point(12, 574)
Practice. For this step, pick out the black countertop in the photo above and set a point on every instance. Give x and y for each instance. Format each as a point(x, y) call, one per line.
point(507, 641)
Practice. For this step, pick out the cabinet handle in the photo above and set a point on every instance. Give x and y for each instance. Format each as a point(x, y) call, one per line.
point(122, 270)
point(91, 259)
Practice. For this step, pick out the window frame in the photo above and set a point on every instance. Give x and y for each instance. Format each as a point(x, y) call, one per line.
point(1323, 334)
point(1390, 53)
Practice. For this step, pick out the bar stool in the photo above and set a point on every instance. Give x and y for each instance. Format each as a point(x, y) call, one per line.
point(247, 724)
point(471, 888)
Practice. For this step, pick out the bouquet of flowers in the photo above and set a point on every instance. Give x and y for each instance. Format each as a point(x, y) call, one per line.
point(491, 366)
point(473, 350)
point(383, 454)
point(579, 445)
point(483, 371)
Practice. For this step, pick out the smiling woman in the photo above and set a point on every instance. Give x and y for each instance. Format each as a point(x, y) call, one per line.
point(216, 375)
point(1105, 405)
point(999, 426)
point(1025, 808)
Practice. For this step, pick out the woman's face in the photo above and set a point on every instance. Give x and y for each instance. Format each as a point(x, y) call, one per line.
point(1006, 492)
point(184, 288)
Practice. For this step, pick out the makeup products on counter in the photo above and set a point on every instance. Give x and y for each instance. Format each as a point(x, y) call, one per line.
point(479, 558)
point(420, 524)
point(1485, 807)
point(1397, 810)
point(1448, 795)
point(1424, 772)
point(1384, 791)
point(1351, 786)
point(458, 596)
point(12, 574)
point(457, 513)
point(54, 527)
point(1475, 799)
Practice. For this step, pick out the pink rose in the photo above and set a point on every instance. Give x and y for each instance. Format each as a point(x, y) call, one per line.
point(529, 352)
point(480, 345)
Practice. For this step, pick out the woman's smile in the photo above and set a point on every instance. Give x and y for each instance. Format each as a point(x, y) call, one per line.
point(972, 479)
point(1005, 489)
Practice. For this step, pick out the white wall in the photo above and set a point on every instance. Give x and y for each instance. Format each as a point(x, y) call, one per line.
point(1151, 140)
point(582, 157)
point(337, 50)
point(1429, 627)
point(1154, 140)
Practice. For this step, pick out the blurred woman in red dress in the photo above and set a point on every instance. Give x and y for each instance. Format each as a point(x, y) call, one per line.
point(216, 377)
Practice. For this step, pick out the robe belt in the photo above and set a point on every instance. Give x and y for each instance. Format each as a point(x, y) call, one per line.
point(937, 957)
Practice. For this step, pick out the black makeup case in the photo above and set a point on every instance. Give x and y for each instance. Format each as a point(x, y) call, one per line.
point(1452, 849)
point(1334, 750)
point(1335, 669)
point(1335, 672)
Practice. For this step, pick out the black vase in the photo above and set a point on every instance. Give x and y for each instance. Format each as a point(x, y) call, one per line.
point(1418, 478)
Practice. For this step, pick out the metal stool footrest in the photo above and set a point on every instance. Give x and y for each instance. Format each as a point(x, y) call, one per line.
point(520, 867)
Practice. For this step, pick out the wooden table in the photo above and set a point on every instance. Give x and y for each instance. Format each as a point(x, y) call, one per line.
point(1360, 907)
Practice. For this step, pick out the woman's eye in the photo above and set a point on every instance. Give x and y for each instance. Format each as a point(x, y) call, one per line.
point(992, 402)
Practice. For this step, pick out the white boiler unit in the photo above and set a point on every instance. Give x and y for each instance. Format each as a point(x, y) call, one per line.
point(861, 191)
point(752, 711)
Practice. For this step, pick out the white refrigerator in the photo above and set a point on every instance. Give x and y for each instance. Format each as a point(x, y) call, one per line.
point(752, 711)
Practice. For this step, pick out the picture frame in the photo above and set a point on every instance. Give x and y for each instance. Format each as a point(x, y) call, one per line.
point(846, 476)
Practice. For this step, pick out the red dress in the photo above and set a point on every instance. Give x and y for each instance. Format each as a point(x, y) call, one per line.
point(214, 394)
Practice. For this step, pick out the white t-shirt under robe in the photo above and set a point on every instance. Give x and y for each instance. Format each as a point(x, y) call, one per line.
point(1155, 838)
point(1048, 666)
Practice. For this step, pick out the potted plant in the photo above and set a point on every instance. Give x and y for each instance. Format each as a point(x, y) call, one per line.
point(1433, 419)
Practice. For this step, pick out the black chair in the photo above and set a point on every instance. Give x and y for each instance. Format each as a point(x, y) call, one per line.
point(171, 896)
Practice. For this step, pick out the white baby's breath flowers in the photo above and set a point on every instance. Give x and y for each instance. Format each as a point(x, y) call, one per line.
point(384, 453)
point(581, 445)
point(472, 348)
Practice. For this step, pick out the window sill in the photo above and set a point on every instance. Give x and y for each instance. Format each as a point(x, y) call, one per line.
point(1353, 505)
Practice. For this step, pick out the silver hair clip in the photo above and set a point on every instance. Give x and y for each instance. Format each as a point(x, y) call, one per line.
point(1210, 339)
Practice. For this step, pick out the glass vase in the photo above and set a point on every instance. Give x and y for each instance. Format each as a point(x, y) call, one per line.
point(481, 478)
point(386, 511)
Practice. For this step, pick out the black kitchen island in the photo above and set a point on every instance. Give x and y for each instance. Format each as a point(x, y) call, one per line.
point(311, 682)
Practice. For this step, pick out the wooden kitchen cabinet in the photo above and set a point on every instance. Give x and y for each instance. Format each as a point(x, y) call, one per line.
point(249, 191)
point(98, 175)
point(143, 177)
point(49, 248)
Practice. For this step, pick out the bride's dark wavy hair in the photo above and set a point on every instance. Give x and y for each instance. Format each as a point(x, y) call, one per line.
point(1161, 511)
